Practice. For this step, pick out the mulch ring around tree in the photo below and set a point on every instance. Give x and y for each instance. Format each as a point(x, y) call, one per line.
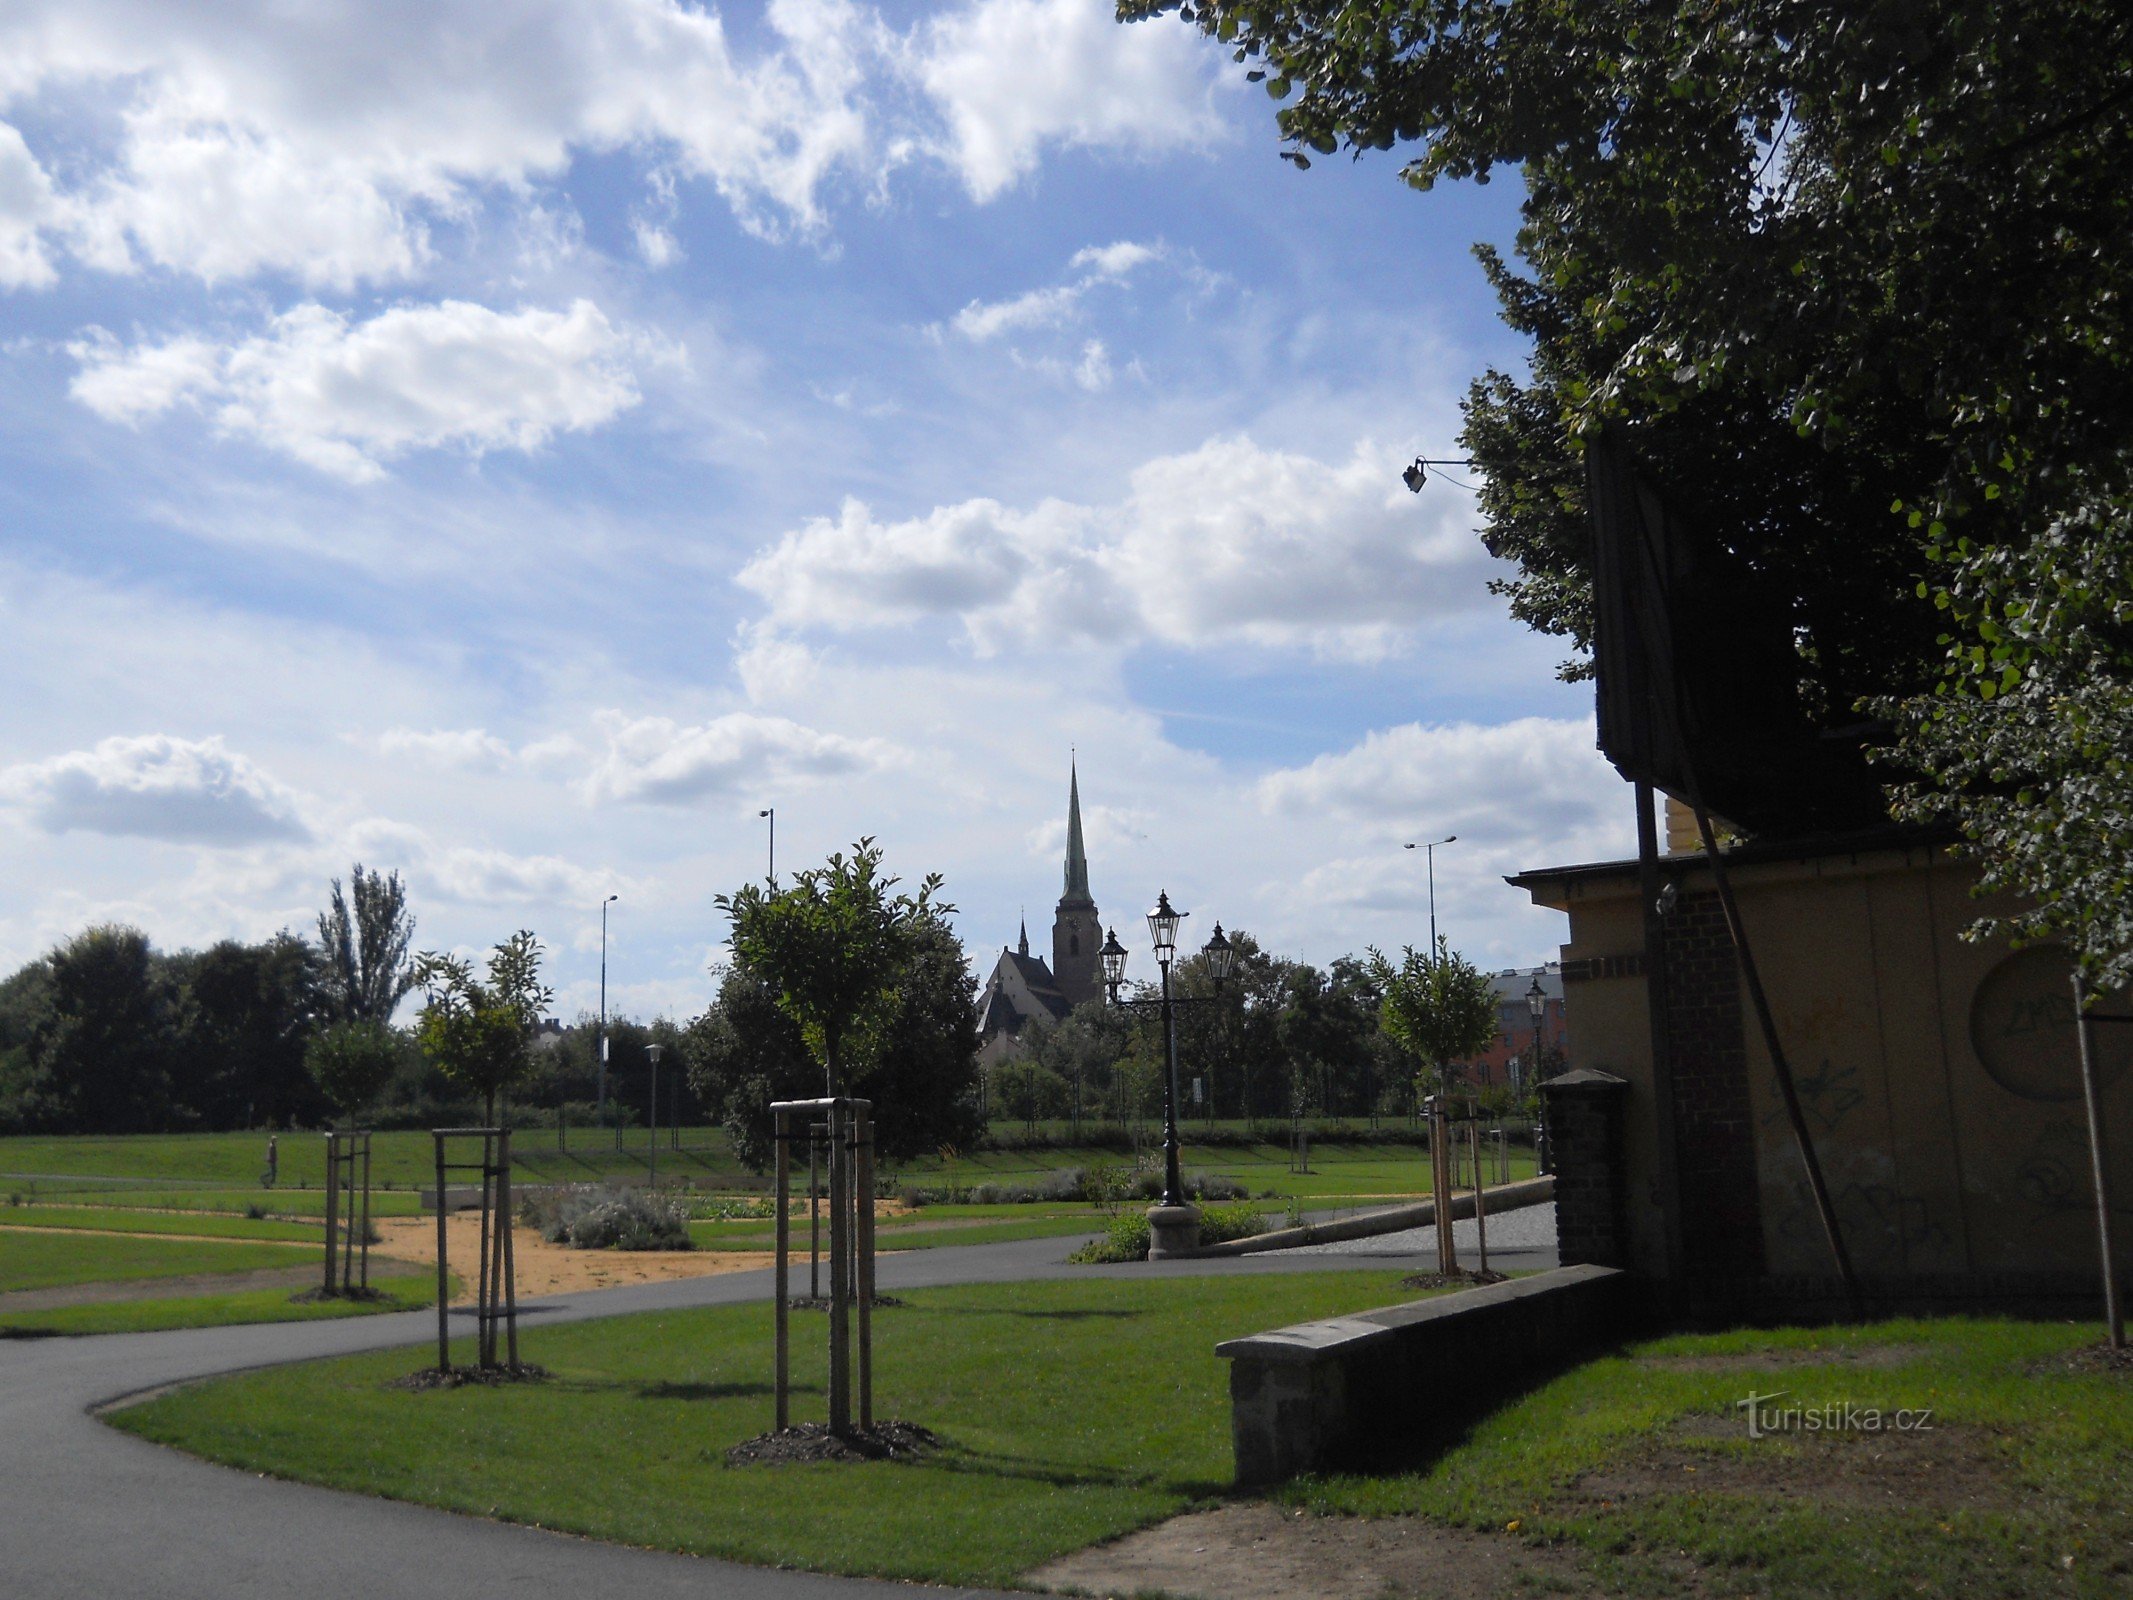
point(459, 1377)
point(1451, 1280)
point(2098, 1357)
point(813, 1441)
point(801, 1302)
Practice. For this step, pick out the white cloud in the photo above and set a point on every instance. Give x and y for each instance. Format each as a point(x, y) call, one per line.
point(1529, 780)
point(657, 760)
point(496, 877)
point(181, 791)
point(1013, 76)
point(27, 207)
point(469, 748)
point(1228, 544)
point(1056, 303)
point(345, 396)
point(326, 141)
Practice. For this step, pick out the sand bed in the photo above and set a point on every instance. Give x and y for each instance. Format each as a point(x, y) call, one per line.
point(543, 1268)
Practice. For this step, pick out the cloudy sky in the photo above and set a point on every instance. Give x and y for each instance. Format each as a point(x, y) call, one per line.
point(517, 442)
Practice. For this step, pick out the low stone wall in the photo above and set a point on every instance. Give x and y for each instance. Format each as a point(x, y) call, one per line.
point(1352, 1390)
point(1393, 1219)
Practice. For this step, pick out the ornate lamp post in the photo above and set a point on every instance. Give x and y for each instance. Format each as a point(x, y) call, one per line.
point(1174, 1224)
point(1537, 1009)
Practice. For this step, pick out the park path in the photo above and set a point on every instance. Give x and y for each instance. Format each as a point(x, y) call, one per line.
point(94, 1513)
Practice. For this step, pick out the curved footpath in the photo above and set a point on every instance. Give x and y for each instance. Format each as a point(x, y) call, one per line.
point(94, 1513)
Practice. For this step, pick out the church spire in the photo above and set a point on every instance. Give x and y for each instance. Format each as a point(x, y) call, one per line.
point(1077, 858)
point(1022, 945)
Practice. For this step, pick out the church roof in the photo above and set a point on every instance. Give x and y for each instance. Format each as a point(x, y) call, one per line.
point(1077, 858)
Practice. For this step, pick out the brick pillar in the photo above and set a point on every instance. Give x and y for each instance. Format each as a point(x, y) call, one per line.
point(1584, 1111)
point(1714, 1120)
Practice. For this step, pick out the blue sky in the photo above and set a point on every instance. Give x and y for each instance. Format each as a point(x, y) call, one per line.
point(516, 443)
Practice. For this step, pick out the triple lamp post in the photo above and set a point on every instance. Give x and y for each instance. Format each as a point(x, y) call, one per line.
point(1174, 1226)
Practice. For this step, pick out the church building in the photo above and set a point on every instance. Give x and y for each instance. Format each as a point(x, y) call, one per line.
point(1023, 992)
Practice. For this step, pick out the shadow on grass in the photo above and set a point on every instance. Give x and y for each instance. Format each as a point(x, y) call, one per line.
point(1065, 1474)
point(1064, 1314)
point(685, 1392)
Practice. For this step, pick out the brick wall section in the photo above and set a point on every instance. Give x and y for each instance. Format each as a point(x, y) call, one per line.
point(1584, 1111)
point(1714, 1122)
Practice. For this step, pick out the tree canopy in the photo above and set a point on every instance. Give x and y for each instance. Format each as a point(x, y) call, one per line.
point(1853, 282)
point(1438, 1005)
point(830, 948)
point(364, 937)
point(481, 1033)
point(912, 1049)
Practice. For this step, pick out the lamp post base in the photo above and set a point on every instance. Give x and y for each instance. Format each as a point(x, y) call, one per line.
point(1173, 1231)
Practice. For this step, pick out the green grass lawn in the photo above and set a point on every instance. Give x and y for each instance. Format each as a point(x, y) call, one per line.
point(205, 1224)
point(2022, 1485)
point(1018, 1222)
point(407, 1292)
point(55, 1260)
point(1073, 1412)
point(222, 1170)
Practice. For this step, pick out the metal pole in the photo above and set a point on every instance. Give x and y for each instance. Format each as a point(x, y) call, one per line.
point(1173, 1186)
point(814, 1221)
point(2113, 1311)
point(655, 1121)
point(779, 1287)
point(600, 1045)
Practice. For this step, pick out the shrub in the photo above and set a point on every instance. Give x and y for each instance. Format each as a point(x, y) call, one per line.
point(1125, 1240)
point(1220, 1224)
point(596, 1217)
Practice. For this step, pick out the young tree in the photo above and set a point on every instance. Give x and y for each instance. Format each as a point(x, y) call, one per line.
point(479, 1033)
point(1440, 1006)
point(912, 1052)
point(364, 938)
point(830, 948)
point(352, 1062)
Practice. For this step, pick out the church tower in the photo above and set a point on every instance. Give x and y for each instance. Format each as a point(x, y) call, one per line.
point(1076, 933)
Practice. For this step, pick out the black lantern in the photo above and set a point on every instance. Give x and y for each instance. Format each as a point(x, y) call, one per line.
point(1221, 957)
point(1163, 928)
point(1113, 957)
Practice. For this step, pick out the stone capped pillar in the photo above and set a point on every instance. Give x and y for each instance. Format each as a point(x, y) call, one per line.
point(1584, 1112)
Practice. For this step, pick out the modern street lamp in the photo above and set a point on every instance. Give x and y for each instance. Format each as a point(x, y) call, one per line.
point(1221, 958)
point(600, 1089)
point(1429, 852)
point(653, 1051)
point(772, 813)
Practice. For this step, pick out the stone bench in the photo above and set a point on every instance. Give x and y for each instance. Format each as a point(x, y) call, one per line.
point(1349, 1390)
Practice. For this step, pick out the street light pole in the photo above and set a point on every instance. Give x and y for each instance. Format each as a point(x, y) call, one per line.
point(772, 813)
point(1429, 852)
point(600, 1089)
point(653, 1050)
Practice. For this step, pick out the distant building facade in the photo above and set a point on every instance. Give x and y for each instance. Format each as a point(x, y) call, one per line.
point(1508, 1061)
point(1023, 992)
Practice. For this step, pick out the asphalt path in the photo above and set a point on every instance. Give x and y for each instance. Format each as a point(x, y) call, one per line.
point(88, 1511)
